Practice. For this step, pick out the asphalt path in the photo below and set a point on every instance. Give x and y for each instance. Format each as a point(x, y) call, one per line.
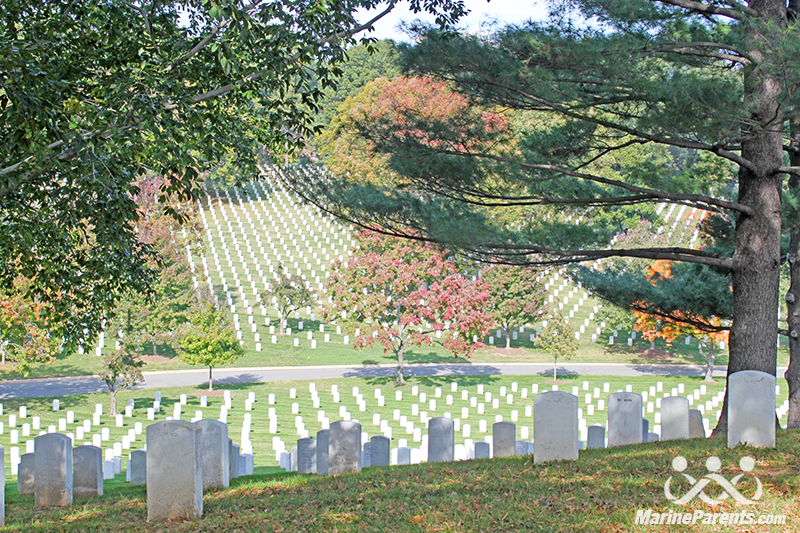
point(424, 374)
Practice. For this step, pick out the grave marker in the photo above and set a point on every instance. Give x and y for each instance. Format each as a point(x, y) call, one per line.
point(25, 474)
point(87, 471)
point(214, 453)
point(53, 470)
point(674, 418)
point(138, 467)
point(175, 471)
point(751, 409)
point(441, 440)
point(504, 436)
point(323, 436)
point(624, 418)
point(344, 445)
point(555, 427)
point(381, 450)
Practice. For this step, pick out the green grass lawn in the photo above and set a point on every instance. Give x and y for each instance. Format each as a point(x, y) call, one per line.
point(602, 491)
point(265, 455)
point(335, 353)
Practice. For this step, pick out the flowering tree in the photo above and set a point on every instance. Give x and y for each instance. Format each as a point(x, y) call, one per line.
point(400, 293)
point(516, 296)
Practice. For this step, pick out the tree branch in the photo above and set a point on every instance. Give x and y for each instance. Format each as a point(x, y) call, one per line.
point(693, 199)
point(705, 9)
point(715, 149)
point(260, 74)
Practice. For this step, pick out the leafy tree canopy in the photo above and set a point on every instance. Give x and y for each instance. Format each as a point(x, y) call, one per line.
point(94, 94)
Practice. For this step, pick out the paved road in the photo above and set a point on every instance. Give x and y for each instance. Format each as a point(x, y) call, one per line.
point(424, 372)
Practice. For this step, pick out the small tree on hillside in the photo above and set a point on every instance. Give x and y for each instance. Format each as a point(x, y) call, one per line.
point(400, 293)
point(289, 292)
point(557, 339)
point(516, 297)
point(209, 340)
point(122, 371)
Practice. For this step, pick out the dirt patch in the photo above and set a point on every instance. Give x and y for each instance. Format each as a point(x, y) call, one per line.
point(509, 352)
point(655, 355)
point(155, 358)
point(206, 392)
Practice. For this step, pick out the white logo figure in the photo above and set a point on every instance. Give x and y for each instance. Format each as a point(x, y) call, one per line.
point(713, 464)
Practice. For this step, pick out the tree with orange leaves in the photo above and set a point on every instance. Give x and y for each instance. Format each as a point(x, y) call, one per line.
point(27, 335)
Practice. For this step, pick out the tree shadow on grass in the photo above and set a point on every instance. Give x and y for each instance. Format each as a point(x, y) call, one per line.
point(432, 376)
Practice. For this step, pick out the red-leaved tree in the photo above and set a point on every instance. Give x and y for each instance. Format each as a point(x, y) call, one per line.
point(402, 293)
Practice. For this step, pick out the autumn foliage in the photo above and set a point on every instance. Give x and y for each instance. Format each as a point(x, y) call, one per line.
point(402, 293)
point(417, 109)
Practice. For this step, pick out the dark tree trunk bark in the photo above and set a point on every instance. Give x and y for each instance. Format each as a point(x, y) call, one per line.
point(793, 322)
point(792, 374)
point(756, 261)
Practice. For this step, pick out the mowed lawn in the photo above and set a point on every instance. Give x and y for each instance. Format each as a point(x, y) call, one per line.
point(602, 491)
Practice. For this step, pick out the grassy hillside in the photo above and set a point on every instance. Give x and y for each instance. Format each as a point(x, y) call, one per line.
point(602, 491)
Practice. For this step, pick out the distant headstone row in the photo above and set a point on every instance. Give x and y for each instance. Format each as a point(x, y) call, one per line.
point(339, 450)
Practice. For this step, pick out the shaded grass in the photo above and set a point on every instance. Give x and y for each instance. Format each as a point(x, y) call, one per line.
point(600, 492)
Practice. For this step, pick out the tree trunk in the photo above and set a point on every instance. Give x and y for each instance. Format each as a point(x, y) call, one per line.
point(652, 345)
point(792, 374)
point(113, 394)
point(210, 378)
point(756, 261)
point(555, 367)
point(155, 347)
point(710, 356)
point(507, 331)
point(400, 350)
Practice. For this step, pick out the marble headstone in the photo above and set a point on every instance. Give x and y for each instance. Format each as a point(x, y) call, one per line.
point(555, 427)
point(307, 456)
point(25, 474)
point(381, 450)
point(504, 438)
point(483, 450)
point(596, 437)
point(751, 409)
point(624, 418)
point(344, 445)
point(138, 467)
point(696, 428)
point(441, 440)
point(87, 471)
point(52, 476)
point(214, 454)
point(322, 451)
point(674, 418)
point(174, 471)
